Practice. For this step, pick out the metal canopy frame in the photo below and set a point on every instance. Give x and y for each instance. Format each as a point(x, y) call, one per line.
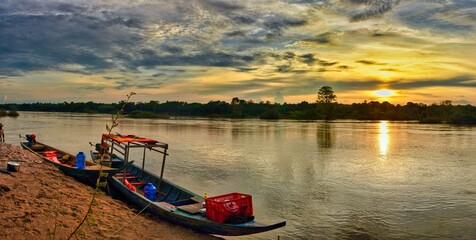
point(123, 148)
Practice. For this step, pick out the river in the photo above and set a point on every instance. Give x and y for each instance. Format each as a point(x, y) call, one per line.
point(328, 180)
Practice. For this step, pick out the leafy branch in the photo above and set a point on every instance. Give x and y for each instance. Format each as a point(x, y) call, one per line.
point(99, 183)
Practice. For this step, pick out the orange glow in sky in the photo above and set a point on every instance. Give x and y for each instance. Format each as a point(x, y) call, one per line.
point(277, 51)
point(384, 93)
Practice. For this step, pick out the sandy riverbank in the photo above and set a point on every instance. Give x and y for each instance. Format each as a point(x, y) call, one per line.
point(39, 195)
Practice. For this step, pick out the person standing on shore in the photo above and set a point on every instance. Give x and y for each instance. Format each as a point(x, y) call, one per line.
point(2, 135)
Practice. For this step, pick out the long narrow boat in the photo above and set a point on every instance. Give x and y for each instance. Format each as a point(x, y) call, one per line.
point(173, 203)
point(66, 162)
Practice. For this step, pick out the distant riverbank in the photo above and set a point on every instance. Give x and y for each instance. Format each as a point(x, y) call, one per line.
point(444, 112)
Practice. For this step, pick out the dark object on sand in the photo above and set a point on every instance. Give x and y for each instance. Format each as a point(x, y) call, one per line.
point(13, 166)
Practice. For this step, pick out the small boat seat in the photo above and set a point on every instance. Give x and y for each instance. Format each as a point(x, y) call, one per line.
point(138, 183)
point(122, 175)
point(127, 177)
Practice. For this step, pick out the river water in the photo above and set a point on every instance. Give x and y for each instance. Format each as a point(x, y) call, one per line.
point(335, 180)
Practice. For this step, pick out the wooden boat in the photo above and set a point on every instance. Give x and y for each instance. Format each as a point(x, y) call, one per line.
point(66, 162)
point(173, 203)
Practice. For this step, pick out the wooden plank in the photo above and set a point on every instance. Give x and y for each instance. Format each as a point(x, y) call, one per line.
point(167, 206)
point(191, 208)
point(138, 183)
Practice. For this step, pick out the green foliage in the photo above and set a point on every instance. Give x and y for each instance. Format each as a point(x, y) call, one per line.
point(326, 95)
point(13, 113)
point(144, 114)
point(272, 113)
point(3, 113)
point(308, 114)
point(444, 112)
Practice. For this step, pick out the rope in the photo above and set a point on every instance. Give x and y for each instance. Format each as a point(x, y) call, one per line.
point(130, 220)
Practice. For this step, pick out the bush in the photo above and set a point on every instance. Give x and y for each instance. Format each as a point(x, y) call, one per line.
point(463, 119)
point(143, 114)
point(271, 114)
point(13, 113)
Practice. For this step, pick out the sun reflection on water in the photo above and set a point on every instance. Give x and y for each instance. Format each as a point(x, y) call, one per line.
point(383, 139)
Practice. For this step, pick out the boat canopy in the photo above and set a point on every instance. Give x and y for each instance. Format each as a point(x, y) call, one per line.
point(123, 143)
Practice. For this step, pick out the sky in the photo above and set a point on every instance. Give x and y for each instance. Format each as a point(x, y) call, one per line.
point(421, 51)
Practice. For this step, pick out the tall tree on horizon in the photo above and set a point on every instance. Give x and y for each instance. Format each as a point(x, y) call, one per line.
point(326, 100)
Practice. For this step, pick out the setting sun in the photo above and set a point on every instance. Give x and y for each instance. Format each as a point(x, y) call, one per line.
point(384, 93)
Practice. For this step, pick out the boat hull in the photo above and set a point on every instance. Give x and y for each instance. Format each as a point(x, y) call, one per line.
point(87, 175)
point(197, 222)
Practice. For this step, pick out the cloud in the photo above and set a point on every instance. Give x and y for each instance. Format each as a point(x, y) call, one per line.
point(161, 43)
point(390, 70)
point(439, 16)
point(458, 81)
point(373, 8)
point(221, 6)
point(360, 10)
point(243, 19)
point(274, 27)
point(370, 62)
point(246, 69)
point(323, 38)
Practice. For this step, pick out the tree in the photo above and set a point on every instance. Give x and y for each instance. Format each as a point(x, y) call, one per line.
point(237, 106)
point(325, 101)
point(326, 95)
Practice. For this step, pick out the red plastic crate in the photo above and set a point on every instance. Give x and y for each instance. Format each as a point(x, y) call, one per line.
point(222, 207)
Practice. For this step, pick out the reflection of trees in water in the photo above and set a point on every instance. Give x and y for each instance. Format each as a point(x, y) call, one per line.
point(325, 135)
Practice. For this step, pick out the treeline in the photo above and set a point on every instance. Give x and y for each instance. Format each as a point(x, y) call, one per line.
point(444, 112)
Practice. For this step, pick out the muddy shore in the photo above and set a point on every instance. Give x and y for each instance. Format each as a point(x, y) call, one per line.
point(40, 202)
